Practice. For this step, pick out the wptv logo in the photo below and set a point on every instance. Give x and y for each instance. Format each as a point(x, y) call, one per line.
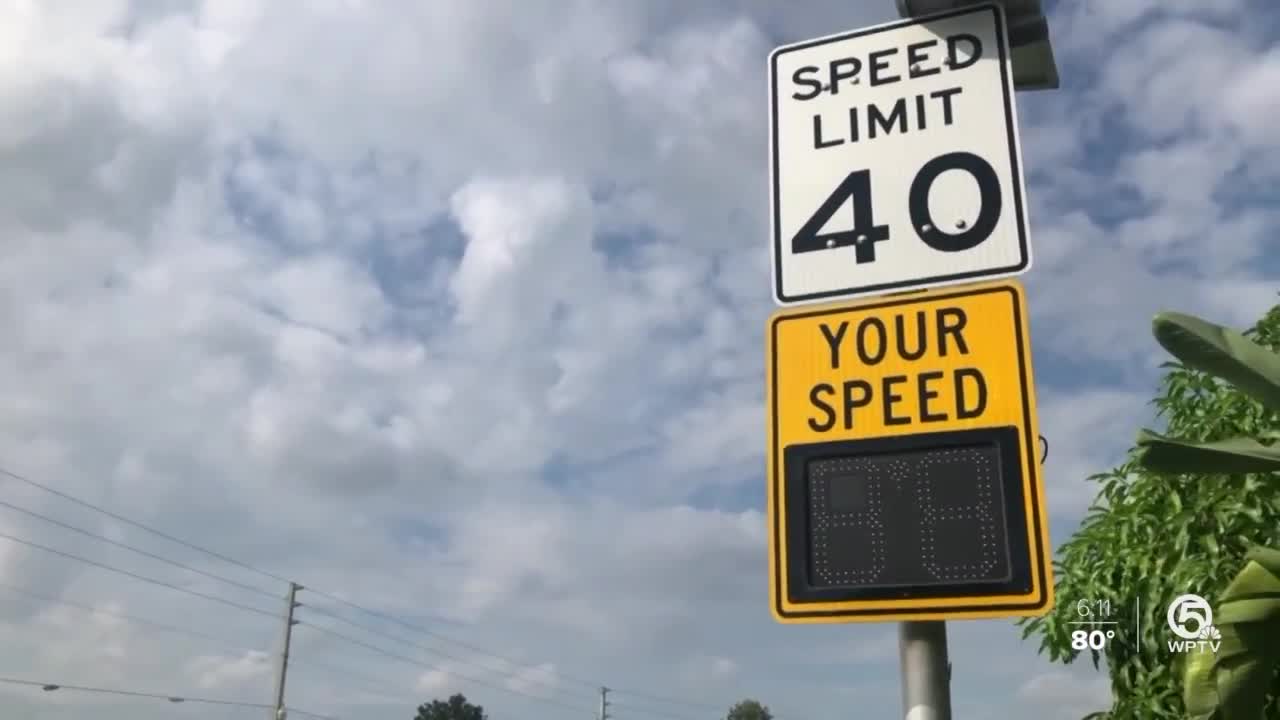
point(1191, 619)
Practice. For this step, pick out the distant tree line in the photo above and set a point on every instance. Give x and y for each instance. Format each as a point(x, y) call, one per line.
point(456, 707)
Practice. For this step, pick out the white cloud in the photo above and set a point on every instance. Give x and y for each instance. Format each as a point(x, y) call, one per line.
point(216, 671)
point(434, 682)
point(528, 247)
point(723, 667)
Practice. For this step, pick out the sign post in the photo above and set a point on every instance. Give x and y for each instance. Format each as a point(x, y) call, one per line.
point(926, 674)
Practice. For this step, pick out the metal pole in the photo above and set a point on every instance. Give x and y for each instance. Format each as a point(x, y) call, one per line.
point(926, 674)
point(282, 668)
point(604, 704)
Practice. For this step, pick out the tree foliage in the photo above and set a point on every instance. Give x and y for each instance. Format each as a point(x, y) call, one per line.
point(749, 710)
point(1237, 681)
point(455, 708)
point(1149, 538)
point(1232, 680)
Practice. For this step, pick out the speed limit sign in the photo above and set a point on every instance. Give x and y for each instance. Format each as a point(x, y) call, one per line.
point(894, 159)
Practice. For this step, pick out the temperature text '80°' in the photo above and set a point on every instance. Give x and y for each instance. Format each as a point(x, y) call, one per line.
point(1091, 639)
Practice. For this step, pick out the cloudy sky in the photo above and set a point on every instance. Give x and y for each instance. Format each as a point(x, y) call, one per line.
point(456, 309)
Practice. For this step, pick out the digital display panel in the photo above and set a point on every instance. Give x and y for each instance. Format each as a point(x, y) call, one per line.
point(904, 477)
point(908, 519)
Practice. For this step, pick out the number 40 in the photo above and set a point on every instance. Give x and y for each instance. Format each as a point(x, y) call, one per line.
point(865, 233)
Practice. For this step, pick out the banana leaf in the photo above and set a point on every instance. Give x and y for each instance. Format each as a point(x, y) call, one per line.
point(1222, 352)
point(1232, 683)
point(1162, 454)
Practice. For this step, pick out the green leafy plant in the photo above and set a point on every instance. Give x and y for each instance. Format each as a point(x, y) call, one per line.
point(1232, 683)
point(1182, 514)
point(455, 708)
point(749, 710)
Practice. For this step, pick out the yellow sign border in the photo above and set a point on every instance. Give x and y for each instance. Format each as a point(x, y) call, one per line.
point(1037, 602)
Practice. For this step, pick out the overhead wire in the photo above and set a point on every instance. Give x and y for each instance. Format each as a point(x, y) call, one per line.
point(613, 708)
point(141, 578)
point(221, 643)
point(593, 684)
point(164, 627)
point(139, 551)
point(168, 697)
point(331, 597)
point(481, 651)
point(427, 666)
point(640, 711)
point(501, 658)
point(367, 683)
point(660, 699)
point(216, 641)
point(409, 643)
point(146, 528)
point(424, 648)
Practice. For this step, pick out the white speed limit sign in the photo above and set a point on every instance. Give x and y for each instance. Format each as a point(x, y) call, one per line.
point(894, 159)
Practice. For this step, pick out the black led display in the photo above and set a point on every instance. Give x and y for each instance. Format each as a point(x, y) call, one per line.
point(924, 517)
point(932, 515)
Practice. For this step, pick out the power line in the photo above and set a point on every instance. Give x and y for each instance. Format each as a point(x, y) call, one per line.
point(142, 578)
point(184, 631)
point(472, 663)
point(213, 639)
point(481, 651)
point(445, 638)
point(395, 656)
point(368, 683)
point(144, 553)
point(221, 642)
point(641, 711)
point(425, 648)
point(660, 699)
point(374, 613)
point(334, 598)
point(501, 658)
point(293, 662)
point(173, 698)
point(140, 526)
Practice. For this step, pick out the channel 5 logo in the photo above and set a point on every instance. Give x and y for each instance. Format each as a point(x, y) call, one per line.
point(1191, 618)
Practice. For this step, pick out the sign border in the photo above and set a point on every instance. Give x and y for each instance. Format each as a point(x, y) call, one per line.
point(1015, 156)
point(941, 608)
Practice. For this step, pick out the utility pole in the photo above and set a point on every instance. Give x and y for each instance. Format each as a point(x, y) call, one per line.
point(604, 704)
point(291, 602)
point(926, 673)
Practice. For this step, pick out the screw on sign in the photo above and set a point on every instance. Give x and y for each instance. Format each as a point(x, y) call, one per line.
point(895, 160)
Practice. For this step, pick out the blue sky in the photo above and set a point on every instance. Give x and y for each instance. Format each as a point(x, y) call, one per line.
point(456, 310)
